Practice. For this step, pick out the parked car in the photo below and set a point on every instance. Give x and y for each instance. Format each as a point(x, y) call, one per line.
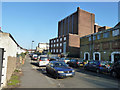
point(115, 69)
point(98, 66)
point(66, 60)
point(42, 60)
point(34, 57)
point(59, 69)
point(54, 58)
point(76, 63)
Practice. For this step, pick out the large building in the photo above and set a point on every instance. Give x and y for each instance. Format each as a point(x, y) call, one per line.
point(42, 46)
point(70, 29)
point(103, 45)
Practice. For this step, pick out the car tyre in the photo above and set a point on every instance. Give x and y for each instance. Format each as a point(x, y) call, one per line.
point(47, 71)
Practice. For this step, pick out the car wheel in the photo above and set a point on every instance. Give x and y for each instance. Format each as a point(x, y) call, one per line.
point(98, 71)
point(114, 74)
point(47, 70)
point(55, 76)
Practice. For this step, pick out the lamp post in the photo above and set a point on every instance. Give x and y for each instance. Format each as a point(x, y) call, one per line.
point(32, 46)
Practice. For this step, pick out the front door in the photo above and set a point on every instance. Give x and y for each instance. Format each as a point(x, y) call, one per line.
point(86, 56)
point(116, 57)
point(96, 56)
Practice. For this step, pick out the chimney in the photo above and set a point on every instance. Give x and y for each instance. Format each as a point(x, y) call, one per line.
point(78, 8)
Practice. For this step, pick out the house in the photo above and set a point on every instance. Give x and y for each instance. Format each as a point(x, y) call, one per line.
point(103, 45)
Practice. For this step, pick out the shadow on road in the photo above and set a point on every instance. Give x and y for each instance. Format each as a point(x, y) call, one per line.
point(91, 73)
point(34, 63)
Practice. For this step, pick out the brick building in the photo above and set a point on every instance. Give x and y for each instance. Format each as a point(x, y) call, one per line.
point(70, 29)
point(103, 45)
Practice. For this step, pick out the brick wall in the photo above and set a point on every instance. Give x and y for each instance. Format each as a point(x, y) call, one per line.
point(11, 66)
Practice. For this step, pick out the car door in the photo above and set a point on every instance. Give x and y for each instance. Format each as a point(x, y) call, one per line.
point(90, 65)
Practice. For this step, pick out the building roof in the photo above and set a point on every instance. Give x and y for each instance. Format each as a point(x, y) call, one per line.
point(12, 39)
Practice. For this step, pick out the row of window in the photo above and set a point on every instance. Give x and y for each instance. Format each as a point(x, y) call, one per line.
point(53, 41)
point(54, 45)
point(57, 50)
point(106, 35)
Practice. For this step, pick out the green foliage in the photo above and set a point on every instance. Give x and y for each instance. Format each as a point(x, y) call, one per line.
point(14, 80)
point(49, 53)
point(23, 55)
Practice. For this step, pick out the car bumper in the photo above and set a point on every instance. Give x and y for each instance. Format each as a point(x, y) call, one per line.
point(62, 75)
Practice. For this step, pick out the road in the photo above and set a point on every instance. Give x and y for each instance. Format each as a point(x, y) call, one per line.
point(36, 77)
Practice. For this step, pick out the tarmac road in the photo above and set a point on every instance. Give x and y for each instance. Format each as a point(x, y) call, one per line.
point(36, 77)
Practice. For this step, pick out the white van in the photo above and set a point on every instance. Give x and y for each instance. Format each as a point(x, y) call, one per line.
point(43, 60)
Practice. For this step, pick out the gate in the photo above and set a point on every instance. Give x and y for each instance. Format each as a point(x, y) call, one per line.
point(1, 63)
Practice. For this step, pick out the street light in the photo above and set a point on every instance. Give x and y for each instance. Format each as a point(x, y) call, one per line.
point(32, 46)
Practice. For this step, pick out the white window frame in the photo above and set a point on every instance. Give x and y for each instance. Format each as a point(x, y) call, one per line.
point(115, 32)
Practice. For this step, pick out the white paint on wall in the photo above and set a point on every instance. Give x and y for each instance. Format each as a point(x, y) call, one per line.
point(85, 55)
point(10, 47)
point(112, 56)
point(97, 53)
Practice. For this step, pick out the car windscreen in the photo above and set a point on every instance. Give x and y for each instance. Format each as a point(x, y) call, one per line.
point(35, 56)
point(60, 64)
point(80, 60)
point(44, 58)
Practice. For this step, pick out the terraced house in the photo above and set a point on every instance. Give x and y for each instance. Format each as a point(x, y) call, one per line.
point(102, 45)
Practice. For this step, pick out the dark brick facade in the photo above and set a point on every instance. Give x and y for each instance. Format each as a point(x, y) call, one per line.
point(76, 25)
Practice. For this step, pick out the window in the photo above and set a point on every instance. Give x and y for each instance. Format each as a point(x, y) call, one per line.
point(51, 50)
point(54, 41)
point(115, 32)
point(57, 50)
point(60, 39)
point(51, 45)
point(54, 50)
point(94, 37)
point(54, 45)
point(60, 50)
point(57, 44)
point(51, 41)
point(89, 38)
point(64, 38)
point(57, 40)
point(106, 35)
point(98, 36)
point(60, 44)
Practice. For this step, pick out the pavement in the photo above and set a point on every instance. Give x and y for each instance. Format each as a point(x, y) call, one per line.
point(36, 77)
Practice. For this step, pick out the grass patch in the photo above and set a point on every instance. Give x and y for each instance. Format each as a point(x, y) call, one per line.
point(14, 80)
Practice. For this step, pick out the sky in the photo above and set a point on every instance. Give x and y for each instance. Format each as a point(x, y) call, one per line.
point(38, 21)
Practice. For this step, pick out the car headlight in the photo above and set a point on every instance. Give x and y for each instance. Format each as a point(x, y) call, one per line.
point(60, 72)
point(73, 70)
